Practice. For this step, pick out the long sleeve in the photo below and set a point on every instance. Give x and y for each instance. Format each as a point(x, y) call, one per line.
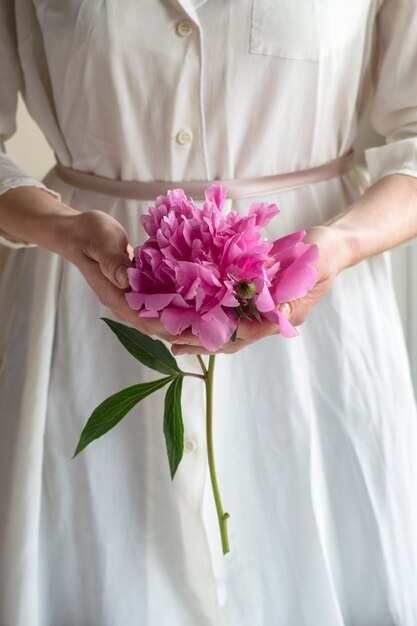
point(11, 176)
point(394, 110)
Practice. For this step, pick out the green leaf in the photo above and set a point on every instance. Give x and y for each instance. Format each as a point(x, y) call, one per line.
point(254, 310)
point(234, 336)
point(150, 352)
point(113, 409)
point(173, 425)
point(242, 313)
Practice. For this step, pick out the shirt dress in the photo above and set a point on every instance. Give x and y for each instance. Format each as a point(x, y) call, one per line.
point(315, 437)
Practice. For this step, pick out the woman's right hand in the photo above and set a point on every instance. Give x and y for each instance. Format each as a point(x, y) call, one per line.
point(93, 241)
point(99, 247)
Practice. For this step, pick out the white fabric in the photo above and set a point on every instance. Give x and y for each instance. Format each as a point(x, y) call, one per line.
point(315, 437)
point(199, 3)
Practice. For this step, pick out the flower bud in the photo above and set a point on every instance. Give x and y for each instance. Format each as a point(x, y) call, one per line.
point(245, 289)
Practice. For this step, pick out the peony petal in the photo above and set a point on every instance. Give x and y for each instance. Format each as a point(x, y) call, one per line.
point(286, 329)
point(178, 301)
point(158, 301)
point(145, 313)
point(297, 279)
point(287, 242)
point(189, 291)
point(135, 276)
point(263, 212)
point(186, 273)
point(228, 299)
point(176, 197)
point(264, 301)
point(187, 268)
point(215, 328)
point(176, 320)
point(295, 283)
point(287, 254)
point(216, 194)
point(250, 264)
point(135, 300)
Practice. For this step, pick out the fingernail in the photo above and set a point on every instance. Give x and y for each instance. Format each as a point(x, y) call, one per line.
point(285, 309)
point(121, 275)
point(130, 252)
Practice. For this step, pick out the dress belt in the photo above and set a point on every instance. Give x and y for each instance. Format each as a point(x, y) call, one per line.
point(238, 188)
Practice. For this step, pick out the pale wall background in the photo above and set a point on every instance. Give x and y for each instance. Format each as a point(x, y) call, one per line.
point(30, 151)
point(28, 147)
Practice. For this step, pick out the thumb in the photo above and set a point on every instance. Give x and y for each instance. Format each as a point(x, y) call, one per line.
point(121, 277)
point(102, 239)
point(295, 311)
point(114, 267)
point(285, 309)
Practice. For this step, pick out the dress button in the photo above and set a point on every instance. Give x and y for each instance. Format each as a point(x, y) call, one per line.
point(184, 137)
point(190, 445)
point(184, 28)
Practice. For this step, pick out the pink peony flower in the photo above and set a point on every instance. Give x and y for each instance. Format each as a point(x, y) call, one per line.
point(202, 269)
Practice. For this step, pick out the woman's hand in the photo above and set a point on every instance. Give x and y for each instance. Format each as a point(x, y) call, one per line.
point(98, 245)
point(332, 259)
point(330, 262)
point(93, 241)
point(382, 218)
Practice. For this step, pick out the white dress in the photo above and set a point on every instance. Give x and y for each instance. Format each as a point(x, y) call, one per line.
point(315, 437)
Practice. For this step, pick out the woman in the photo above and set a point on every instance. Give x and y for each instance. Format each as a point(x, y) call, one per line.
point(316, 437)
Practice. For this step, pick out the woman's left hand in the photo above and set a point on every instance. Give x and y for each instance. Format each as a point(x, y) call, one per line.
point(328, 266)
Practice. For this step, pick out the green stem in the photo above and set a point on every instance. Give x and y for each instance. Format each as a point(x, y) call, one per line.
point(222, 516)
point(202, 364)
point(194, 375)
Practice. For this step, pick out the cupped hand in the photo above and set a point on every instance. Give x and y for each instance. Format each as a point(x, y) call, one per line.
point(330, 262)
point(98, 245)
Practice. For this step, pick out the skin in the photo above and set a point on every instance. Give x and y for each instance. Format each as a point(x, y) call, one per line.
point(384, 217)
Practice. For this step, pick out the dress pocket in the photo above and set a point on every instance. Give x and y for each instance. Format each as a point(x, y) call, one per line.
point(285, 29)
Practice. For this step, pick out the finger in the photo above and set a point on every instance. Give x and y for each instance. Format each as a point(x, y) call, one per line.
point(118, 316)
point(114, 267)
point(229, 348)
point(110, 249)
point(178, 350)
point(186, 338)
point(148, 325)
point(253, 330)
point(114, 298)
point(285, 309)
point(109, 295)
point(130, 251)
point(296, 311)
